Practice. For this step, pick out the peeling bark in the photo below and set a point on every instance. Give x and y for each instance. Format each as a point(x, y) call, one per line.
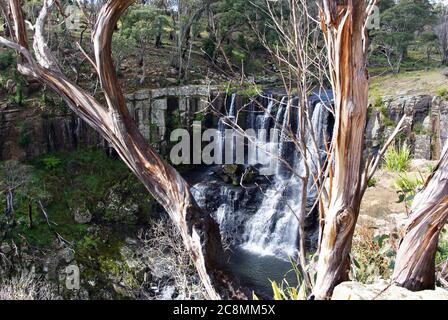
point(343, 25)
point(200, 233)
point(415, 262)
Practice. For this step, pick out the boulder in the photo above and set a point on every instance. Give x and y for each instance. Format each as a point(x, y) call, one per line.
point(382, 291)
point(422, 146)
point(82, 215)
point(445, 72)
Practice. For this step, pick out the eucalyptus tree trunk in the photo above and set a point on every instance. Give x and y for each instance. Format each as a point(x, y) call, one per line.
point(200, 233)
point(415, 262)
point(343, 24)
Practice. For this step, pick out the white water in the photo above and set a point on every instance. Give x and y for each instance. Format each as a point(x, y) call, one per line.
point(273, 230)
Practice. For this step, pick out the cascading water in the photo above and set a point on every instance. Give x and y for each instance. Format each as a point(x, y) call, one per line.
point(273, 230)
point(271, 226)
point(265, 121)
point(227, 123)
point(261, 227)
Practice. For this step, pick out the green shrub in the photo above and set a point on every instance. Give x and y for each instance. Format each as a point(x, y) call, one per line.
point(372, 182)
point(443, 93)
point(418, 128)
point(378, 103)
point(17, 97)
point(407, 188)
point(388, 122)
point(398, 159)
point(373, 256)
point(209, 47)
point(6, 59)
point(286, 291)
point(51, 162)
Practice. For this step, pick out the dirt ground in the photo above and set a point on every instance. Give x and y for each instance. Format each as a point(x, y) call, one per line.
point(380, 209)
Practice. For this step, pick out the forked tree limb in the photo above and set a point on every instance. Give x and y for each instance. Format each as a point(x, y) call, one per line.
point(200, 233)
point(415, 262)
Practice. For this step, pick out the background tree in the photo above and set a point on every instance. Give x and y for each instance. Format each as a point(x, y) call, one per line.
point(142, 24)
point(399, 24)
point(441, 31)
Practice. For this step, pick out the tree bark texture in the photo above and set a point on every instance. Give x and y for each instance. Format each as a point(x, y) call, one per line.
point(415, 261)
point(343, 25)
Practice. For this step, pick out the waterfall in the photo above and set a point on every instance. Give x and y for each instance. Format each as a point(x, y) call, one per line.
point(273, 230)
point(251, 119)
point(284, 144)
point(265, 222)
point(266, 121)
point(227, 122)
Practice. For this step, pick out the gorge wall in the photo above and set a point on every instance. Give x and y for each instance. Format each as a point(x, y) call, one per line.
point(28, 131)
point(426, 124)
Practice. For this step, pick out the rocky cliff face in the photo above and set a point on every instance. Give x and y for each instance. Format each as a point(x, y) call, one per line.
point(29, 131)
point(426, 126)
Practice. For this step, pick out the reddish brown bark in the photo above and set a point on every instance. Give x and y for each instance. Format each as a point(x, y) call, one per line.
point(343, 26)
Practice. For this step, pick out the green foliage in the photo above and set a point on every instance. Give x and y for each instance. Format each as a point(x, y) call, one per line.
point(64, 181)
point(51, 162)
point(399, 24)
point(442, 249)
point(7, 58)
point(209, 47)
point(407, 187)
point(408, 16)
point(419, 128)
point(24, 136)
point(398, 159)
point(122, 46)
point(143, 23)
point(372, 182)
point(285, 291)
point(378, 103)
point(443, 93)
point(388, 122)
point(246, 89)
point(373, 256)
